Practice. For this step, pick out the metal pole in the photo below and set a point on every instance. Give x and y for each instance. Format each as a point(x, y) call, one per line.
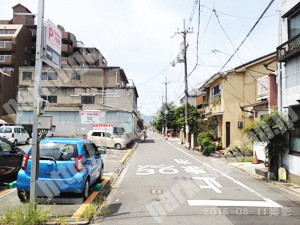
point(37, 95)
point(279, 65)
point(187, 128)
point(166, 122)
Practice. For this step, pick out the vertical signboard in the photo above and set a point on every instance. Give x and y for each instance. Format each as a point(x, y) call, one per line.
point(53, 43)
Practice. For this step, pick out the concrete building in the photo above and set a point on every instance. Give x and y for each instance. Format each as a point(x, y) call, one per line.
point(288, 54)
point(72, 90)
point(17, 48)
point(229, 92)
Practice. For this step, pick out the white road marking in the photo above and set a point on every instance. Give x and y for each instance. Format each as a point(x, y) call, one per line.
point(232, 203)
point(230, 178)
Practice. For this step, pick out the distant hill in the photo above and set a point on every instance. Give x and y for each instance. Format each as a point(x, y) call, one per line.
point(147, 118)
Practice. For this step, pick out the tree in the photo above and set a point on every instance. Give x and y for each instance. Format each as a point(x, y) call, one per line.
point(167, 110)
point(192, 119)
point(272, 129)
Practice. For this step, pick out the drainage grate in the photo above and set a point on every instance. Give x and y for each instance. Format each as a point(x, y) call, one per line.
point(155, 199)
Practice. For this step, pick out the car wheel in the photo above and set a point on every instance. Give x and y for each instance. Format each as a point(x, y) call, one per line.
point(23, 196)
point(85, 193)
point(118, 146)
point(27, 141)
point(15, 142)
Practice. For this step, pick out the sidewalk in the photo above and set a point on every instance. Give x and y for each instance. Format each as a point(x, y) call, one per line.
point(257, 171)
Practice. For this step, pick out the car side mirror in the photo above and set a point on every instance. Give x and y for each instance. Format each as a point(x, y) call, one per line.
point(14, 149)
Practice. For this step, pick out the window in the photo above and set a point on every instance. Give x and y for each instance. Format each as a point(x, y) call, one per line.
point(3, 43)
point(95, 150)
point(88, 150)
point(216, 92)
point(49, 76)
point(2, 58)
point(27, 75)
point(89, 100)
point(5, 146)
point(58, 151)
point(50, 98)
point(294, 137)
point(96, 134)
point(108, 135)
point(294, 25)
point(75, 76)
point(7, 31)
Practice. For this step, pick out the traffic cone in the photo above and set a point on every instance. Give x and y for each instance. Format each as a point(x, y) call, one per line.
point(255, 161)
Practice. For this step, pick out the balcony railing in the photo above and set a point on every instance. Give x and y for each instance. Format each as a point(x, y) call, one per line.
point(6, 60)
point(212, 98)
point(288, 49)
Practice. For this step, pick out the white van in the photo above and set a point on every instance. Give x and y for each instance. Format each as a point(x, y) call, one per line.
point(15, 134)
point(98, 137)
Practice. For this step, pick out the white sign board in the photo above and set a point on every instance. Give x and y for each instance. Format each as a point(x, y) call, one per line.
point(53, 43)
point(92, 117)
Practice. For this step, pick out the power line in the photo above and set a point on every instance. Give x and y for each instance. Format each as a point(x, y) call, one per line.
point(193, 12)
point(248, 34)
point(154, 76)
point(238, 17)
point(237, 53)
point(197, 41)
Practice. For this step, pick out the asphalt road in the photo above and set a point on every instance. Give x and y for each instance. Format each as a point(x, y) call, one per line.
point(166, 184)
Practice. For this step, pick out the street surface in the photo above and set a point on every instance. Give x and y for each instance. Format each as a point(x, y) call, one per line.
point(166, 184)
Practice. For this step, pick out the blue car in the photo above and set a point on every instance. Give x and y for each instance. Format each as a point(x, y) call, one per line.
point(66, 166)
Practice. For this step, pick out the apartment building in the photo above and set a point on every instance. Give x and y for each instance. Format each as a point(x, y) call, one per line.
point(17, 48)
point(288, 56)
point(72, 90)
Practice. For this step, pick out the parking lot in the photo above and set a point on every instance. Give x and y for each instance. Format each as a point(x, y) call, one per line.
point(70, 206)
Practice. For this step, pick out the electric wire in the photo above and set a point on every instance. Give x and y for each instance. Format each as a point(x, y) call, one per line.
point(271, 2)
point(154, 76)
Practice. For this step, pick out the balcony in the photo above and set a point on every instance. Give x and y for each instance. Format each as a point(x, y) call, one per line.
point(288, 49)
point(7, 60)
point(7, 46)
point(67, 49)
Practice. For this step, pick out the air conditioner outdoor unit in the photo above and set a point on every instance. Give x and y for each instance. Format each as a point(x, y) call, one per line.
point(240, 124)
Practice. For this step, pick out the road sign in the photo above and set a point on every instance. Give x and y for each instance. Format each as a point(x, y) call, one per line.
point(52, 45)
point(92, 117)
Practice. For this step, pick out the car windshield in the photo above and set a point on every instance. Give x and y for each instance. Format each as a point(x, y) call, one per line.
point(5, 130)
point(58, 151)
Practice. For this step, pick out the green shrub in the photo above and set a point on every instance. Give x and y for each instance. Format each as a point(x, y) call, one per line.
point(205, 140)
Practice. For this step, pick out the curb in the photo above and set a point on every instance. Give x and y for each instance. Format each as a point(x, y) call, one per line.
point(115, 177)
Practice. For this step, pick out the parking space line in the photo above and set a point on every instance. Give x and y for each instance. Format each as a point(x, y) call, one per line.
point(89, 200)
point(125, 156)
point(6, 192)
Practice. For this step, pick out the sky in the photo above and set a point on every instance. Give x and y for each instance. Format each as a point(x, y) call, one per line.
point(144, 37)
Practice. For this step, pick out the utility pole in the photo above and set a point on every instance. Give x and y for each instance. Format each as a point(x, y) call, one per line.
point(166, 109)
point(162, 108)
point(187, 128)
point(37, 95)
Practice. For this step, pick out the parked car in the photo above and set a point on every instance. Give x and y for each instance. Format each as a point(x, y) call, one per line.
point(66, 165)
point(10, 158)
point(107, 139)
point(15, 134)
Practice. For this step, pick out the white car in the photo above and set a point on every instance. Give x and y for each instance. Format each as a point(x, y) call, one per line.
point(98, 137)
point(15, 134)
